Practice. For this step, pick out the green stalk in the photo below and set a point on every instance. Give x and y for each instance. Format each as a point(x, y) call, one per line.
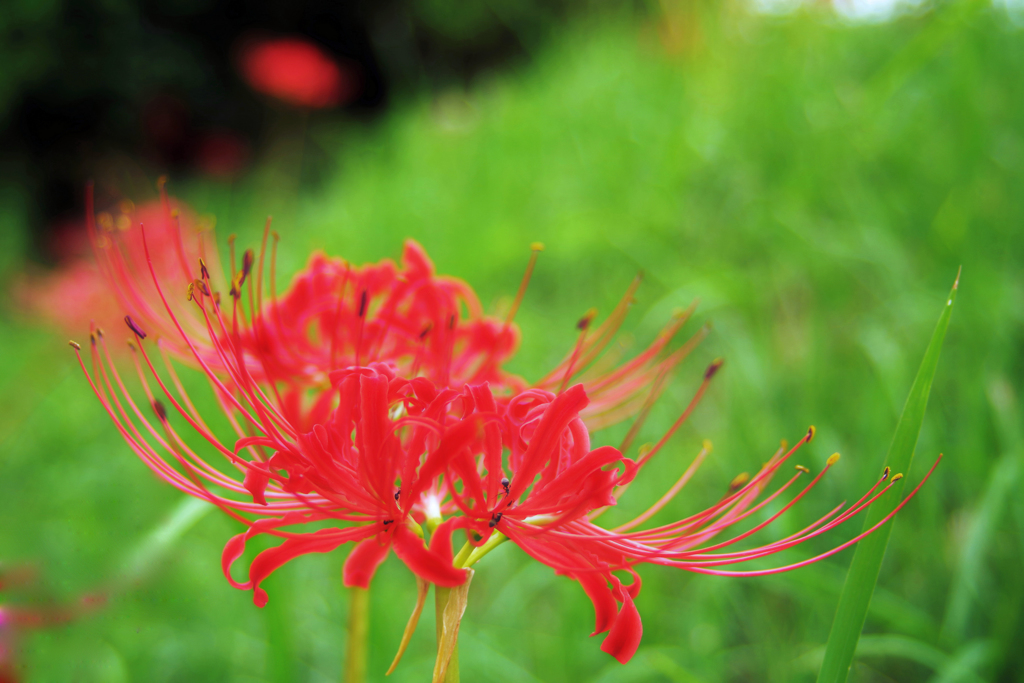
point(477, 554)
point(867, 559)
point(358, 628)
point(440, 602)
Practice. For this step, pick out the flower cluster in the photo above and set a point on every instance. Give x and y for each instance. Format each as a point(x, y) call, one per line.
point(368, 405)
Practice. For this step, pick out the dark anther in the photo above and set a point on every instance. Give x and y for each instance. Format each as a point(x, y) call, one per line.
point(505, 484)
point(202, 287)
point(451, 323)
point(75, 345)
point(398, 493)
point(713, 368)
point(495, 518)
point(247, 259)
point(584, 324)
point(161, 412)
point(362, 304)
point(885, 474)
point(426, 331)
point(236, 285)
point(388, 521)
point(133, 327)
point(202, 270)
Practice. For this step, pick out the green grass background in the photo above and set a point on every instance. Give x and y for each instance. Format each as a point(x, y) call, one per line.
point(816, 184)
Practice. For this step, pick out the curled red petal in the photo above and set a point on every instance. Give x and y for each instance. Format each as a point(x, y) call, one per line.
point(562, 410)
point(233, 549)
point(322, 541)
point(605, 606)
point(429, 565)
point(363, 561)
point(570, 481)
point(624, 637)
point(441, 540)
point(415, 259)
point(634, 588)
point(266, 562)
point(255, 482)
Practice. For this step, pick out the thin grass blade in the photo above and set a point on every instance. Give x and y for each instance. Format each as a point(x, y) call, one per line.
point(867, 559)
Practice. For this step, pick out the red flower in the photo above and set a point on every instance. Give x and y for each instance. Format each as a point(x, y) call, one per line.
point(349, 396)
point(313, 445)
point(557, 485)
point(337, 315)
point(296, 71)
point(362, 401)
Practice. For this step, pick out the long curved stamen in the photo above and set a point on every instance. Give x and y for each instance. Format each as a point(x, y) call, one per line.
point(257, 311)
point(817, 558)
point(582, 326)
point(708, 375)
point(535, 250)
point(670, 494)
point(598, 340)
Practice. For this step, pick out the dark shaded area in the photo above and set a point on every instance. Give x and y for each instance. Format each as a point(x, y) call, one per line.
point(155, 82)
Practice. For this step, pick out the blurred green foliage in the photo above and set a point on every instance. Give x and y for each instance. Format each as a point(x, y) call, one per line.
point(816, 184)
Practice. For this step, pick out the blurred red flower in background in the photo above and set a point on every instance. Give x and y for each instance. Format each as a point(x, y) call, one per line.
point(99, 285)
point(17, 619)
point(297, 71)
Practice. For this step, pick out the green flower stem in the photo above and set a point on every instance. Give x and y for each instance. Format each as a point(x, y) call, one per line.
point(463, 555)
point(477, 554)
point(466, 557)
point(358, 629)
point(440, 602)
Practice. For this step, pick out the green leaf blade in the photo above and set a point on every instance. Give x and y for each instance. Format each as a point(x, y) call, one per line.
point(867, 559)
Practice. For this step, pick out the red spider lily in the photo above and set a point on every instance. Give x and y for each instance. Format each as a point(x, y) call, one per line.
point(296, 71)
point(336, 460)
point(558, 485)
point(369, 400)
point(349, 396)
